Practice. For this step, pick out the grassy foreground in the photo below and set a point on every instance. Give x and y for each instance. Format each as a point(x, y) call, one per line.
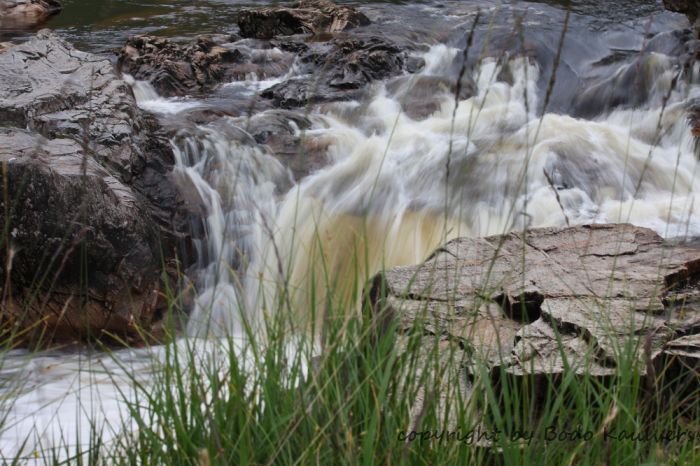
point(356, 403)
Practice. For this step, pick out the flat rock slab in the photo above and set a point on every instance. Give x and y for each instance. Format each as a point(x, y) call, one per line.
point(534, 303)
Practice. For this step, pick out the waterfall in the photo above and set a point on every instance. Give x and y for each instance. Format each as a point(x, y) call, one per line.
point(399, 187)
point(234, 184)
point(396, 187)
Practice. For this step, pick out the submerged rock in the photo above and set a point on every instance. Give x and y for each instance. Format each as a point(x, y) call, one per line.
point(26, 13)
point(92, 211)
point(302, 17)
point(527, 305)
point(282, 132)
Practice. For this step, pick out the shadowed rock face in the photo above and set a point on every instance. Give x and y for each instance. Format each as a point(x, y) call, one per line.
point(91, 207)
point(339, 70)
point(523, 303)
point(690, 8)
point(26, 13)
point(303, 17)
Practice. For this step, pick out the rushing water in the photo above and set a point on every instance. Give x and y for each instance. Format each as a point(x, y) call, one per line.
point(408, 167)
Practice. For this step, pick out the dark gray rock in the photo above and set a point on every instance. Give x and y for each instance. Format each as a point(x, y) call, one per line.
point(60, 92)
point(421, 96)
point(338, 70)
point(79, 246)
point(92, 211)
point(282, 132)
point(19, 14)
point(302, 17)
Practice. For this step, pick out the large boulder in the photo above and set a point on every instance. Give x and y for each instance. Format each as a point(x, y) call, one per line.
point(80, 252)
point(63, 93)
point(91, 212)
point(26, 13)
point(533, 305)
point(302, 17)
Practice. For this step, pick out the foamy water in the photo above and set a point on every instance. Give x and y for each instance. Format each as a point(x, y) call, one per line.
point(397, 188)
point(394, 189)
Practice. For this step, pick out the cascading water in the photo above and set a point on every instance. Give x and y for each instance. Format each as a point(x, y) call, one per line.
point(397, 187)
point(234, 183)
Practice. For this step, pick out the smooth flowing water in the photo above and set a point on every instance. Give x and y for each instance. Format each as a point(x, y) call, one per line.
point(407, 167)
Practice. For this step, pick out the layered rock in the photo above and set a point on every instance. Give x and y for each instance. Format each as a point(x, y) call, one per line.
point(176, 69)
point(26, 13)
point(536, 304)
point(302, 17)
point(91, 213)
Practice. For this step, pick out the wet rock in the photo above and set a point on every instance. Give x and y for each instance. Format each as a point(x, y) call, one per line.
point(26, 13)
point(199, 66)
point(631, 86)
point(302, 17)
point(522, 304)
point(282, 133)
point(338, 70)
point(93, 212)
point(176, 69)
point(421, 96)
point(63, 93)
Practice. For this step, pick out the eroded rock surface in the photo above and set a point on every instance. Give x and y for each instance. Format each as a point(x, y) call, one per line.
point(91, 213)
point(302, 17)
point(26, 13)
point(199, 66)
point(282, 132)
point(523, 303)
